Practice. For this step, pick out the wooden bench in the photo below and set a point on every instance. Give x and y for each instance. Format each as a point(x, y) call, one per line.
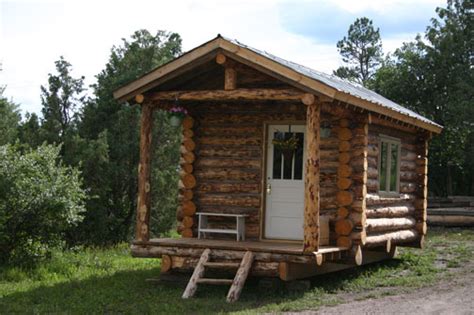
point(239, 230)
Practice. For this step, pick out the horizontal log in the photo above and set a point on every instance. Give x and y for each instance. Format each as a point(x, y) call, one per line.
point(406, 187)
point(407, 165)
point(344, 227)
point(373, 150)
point(156, 251)
point(229, 200)
point(344, 146)
point(230, 140)
point(408, 176)
point(188, 133)
point(185, 194)
point(408, 155)
point(375, 199)
point(358, 219)
point(187, 168)
point(344, 134)
point(344, 198)
point(227, 162)
point(227, 152)
point(187, 157)
point(188, 144)
point(227, 174)
point(188, 122)
point(210, 130)
point(237, 94)
point(188, 181)
point(389, 224)
point(344, 170)
point(372, 173)
point(398, 237)
point(187, 233)
point(344, 241)
point(223, 187)
point(188, 221)
point(391, 212)
point(344, 183)
point(189, 208)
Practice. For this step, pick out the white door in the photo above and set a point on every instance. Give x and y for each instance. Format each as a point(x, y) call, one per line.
point(285, 183)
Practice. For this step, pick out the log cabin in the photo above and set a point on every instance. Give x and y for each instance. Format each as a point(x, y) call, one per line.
point(285, 171)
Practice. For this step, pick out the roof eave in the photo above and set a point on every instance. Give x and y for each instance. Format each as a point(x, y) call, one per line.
point(145, 82)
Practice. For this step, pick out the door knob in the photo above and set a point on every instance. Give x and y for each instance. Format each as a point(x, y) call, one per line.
point(269, 188)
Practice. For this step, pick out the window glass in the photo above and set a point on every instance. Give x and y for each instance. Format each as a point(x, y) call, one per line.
point(288, 163)
point(383, 166)
point(277, 161)
point(288, 159)
point(298, 172)
point(393, 166)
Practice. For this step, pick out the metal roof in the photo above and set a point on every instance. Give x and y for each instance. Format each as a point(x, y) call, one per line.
point(339, 84)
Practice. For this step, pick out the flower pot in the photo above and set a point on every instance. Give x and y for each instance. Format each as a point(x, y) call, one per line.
point(175, 121)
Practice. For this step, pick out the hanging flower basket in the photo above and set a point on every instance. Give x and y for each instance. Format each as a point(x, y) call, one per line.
point(287, 146)
point(177, 114)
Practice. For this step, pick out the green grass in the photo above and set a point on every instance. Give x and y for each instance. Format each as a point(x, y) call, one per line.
point(110, 281)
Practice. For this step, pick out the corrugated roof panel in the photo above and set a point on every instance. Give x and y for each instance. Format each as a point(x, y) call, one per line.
point(339, 84)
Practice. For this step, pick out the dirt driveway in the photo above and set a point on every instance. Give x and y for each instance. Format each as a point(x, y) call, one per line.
point(453, 296)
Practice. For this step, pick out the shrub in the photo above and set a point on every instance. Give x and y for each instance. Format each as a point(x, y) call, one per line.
point(40, 199)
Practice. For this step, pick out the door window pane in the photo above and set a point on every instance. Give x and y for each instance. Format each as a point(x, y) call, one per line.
point(277, 160)
point(288, 159)
point(298, 171)
point(383, 166)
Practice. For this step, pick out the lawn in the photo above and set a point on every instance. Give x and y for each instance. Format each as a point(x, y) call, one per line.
point(110, 281)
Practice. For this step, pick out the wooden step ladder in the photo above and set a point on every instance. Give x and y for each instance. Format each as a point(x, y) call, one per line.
point(236, 285)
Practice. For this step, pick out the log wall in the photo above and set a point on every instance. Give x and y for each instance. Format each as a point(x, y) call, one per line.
point(229, 156)
point(401, 218)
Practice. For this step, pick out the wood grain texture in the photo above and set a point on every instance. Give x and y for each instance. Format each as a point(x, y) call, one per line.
point(312, 189)
point(144, 171)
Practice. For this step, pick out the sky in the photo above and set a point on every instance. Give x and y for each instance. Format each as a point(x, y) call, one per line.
point(33, 34)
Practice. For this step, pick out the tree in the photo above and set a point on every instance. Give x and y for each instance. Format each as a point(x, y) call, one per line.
point(9, 120)
point(29, 131)
point(361, 50)
point(60, 100)
point(434, 77)
point(40, 199)
point(114, 185)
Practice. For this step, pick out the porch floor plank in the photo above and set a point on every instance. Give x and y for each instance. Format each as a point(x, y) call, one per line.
point(294, 248)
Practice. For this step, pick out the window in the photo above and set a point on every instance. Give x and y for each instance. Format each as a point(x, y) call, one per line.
point(389, 164)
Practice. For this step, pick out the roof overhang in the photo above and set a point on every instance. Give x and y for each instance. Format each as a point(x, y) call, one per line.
point(208, 51)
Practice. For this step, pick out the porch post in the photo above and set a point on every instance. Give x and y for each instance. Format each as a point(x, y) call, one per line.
point(144, 170)
point(311, 187)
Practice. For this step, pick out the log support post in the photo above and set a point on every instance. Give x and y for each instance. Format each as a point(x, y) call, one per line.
point(187, 208)
point(311, 193)
point(142, 232)
point(230, 74)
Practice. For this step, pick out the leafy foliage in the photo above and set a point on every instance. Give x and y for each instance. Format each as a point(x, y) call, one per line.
point(9, 120)
point(115, 126)
point(361, 50)
point(41, 200)
point(60, 100)
point(434, 77)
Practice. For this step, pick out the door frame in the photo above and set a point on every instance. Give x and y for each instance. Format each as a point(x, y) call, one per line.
point(263, 194)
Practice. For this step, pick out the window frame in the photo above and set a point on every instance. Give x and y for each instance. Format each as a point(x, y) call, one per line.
point(389, 140)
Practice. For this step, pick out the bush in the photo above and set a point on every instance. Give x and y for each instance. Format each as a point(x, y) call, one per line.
point(40, 200)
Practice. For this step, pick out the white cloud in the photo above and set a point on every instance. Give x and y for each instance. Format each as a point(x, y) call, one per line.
point(36, 33)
